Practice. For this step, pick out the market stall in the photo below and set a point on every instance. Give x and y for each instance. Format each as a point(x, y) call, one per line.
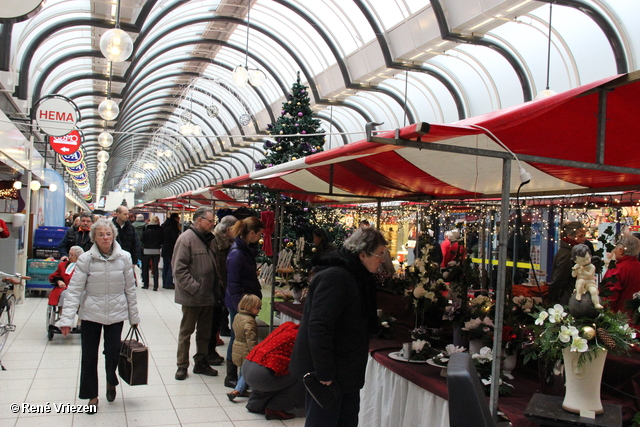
point(573, 142)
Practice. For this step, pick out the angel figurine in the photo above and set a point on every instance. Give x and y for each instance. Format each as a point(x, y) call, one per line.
point(585, 274)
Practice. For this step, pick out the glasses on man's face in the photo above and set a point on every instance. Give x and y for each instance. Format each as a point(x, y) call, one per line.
point(210, 220)
point(380, 257)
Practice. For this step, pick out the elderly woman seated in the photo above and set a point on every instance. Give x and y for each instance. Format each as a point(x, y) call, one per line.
point(61, 277)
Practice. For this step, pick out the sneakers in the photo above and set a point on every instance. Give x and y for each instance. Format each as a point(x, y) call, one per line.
point(214, 359)
point(277, 415)
point(204, 369)
point(233, 394)
point(181, 374)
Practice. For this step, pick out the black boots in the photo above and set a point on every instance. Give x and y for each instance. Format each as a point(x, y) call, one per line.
point(232, 375)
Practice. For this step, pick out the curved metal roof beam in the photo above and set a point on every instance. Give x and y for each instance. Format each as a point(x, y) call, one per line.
point(304, 70)
point(447, 34)
point(22, 88)
point(42, 78)
point(387, 57)
point(617, 47)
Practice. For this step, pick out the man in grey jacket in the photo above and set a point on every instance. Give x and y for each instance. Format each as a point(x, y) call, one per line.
point(198, 288)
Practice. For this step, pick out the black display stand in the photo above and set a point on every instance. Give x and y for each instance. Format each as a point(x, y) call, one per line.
point(547, 411)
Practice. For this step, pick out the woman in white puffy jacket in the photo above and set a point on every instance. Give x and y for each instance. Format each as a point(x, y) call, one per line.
point(104, 288)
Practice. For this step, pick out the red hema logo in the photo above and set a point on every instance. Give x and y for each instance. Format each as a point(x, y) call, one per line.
point(59, 116)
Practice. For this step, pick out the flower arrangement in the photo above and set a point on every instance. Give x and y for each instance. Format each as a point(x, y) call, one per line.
point(442, 358)
point(427, 287)
point(557, 329)
point(483, 361)
point(477, 320)
point(420, 350)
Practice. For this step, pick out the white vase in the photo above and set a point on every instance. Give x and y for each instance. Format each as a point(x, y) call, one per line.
point(583, 382)
point(297, 294)
point(509, 364)
point(475, 345)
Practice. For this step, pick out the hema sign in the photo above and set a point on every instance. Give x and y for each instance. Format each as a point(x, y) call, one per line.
point(56, 116)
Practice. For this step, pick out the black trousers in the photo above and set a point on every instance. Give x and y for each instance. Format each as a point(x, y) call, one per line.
point(90, 333)
point(153, 260)
point(215, 328)
point(343, 413)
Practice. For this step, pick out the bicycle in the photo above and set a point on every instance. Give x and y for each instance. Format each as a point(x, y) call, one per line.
point(7, 306)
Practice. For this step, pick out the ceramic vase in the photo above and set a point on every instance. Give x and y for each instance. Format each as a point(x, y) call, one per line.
point(509, 364)
point(475, 345)
point(297, 294)
point(583, 382)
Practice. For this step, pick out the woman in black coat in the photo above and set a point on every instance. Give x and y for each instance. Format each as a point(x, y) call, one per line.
point(338, 321)
point(152, 237)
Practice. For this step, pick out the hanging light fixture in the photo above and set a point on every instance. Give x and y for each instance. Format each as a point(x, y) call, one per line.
point(243, 74)
point(548, 92)
point(105, 139)
point(102, 167)
point(188, 128)
point(17, 185)
point(35, 185)
point(115, 44)
point(108, 109)
point(103, 156)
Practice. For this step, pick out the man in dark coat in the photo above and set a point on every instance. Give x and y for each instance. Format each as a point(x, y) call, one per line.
point(127, 236)
point(76, 237)
point(170, 234)
point(338, 320)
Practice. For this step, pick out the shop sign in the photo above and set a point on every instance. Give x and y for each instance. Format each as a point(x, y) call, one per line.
point(56, 116)
point(67, 144)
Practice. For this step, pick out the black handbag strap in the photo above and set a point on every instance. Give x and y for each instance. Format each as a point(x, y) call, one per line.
point(134, 333)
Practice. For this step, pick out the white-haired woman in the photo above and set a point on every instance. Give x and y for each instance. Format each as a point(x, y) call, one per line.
point(62, 276)
point(626, 271)
point(104, 288)
point(338, 321)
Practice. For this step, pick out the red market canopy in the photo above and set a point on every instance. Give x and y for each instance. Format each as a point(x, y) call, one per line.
point(210, 195)
point(555, 139)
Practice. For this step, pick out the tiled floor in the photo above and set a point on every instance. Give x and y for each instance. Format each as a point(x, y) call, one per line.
point(41, 371)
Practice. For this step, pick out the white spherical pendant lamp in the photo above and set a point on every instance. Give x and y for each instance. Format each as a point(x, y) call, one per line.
point(105, 139)
point(108, 109)
point(116, 45)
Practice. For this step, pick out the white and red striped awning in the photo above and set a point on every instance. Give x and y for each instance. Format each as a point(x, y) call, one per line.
point(207, 196)
point(562, 129)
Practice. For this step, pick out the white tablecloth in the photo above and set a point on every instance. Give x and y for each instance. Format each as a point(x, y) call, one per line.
point(388, 400)
point(287, 318)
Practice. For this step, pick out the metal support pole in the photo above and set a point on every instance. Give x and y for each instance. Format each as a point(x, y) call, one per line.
point(275, 243)
point(602, 126)
point(500, 291)
point(379, 214)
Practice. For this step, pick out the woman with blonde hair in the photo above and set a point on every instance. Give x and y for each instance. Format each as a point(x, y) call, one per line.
point(152, 237)
point(242, 278)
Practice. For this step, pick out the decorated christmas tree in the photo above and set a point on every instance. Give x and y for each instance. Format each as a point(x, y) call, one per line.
point(297, 127)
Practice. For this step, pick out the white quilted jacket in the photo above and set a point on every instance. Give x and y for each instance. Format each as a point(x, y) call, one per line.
point(105, 290)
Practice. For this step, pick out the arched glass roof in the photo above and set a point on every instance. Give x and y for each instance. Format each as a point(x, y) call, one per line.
point(391, 61)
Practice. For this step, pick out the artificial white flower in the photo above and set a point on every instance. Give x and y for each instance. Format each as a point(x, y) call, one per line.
point(385, 324)
point(484, 356)
point(487, 321)
point(450, 349)
point(419, 291)
point(418, 345)
point(430, 295)
point(556, 313)
point(566, 334)
point(542, 317)
point(472, 324)
point(628, 330)
point(579, 344)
